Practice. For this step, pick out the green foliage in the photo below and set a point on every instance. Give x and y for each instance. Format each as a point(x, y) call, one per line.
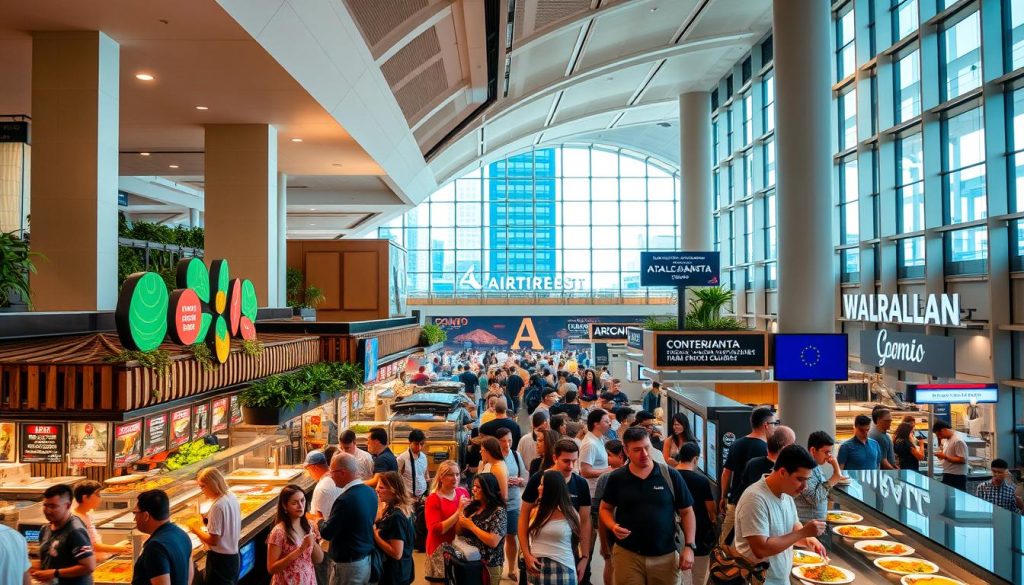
point(298, 297)
point(252, 348)
point(157, 360)
point(188, 237)
point(314, 296)
point(660, 323)
point(705, 313)
point(201, 352)
point(190, 453)
point(16, 263)
point(302, 385)
point(431, 334)
point(131, 260)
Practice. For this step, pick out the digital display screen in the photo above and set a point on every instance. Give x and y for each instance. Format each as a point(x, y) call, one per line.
point(811, 357)
point(953, 393)
point(248, 558)
point(31, 533)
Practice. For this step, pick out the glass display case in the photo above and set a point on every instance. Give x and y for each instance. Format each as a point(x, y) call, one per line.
point(921, 525)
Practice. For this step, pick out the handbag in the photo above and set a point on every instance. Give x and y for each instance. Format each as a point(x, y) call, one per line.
point(728, 567)
point(464, 550)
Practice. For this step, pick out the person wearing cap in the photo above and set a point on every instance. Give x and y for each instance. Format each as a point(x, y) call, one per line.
point(324, 494)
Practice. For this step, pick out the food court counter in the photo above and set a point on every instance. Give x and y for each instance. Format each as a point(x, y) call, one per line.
point(901, 521)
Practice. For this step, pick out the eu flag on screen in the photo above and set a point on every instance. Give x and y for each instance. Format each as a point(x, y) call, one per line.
point(811, 357)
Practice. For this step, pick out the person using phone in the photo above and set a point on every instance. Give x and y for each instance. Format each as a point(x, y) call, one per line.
point(446, 501)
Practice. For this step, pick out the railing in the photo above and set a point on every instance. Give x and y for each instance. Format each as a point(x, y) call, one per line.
point(525, 298)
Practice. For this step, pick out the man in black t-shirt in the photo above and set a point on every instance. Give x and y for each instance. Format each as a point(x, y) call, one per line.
point(705, 511)
point(513, 387)
point(383, 459)
point(762, 423)
point(65, 549)
point(501, 421)
point(636, 507)
point(168, 550)
point(471, 381)
point(759, 467)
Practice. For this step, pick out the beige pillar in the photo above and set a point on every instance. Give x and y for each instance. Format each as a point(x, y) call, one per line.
point(75, 103)
point(241, 214)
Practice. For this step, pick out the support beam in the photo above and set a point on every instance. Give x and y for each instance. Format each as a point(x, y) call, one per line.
point(695, 171)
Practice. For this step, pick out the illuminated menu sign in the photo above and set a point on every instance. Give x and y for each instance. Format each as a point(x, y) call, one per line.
point(954, 393)
point(156, 434)
point(200, 420)
point(220, 415)
point(88, 443)
point(181, 427)
point(42, 443)
point(236, 410)
point(127, 443)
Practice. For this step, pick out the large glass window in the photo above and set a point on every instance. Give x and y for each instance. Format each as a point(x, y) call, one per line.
point(848, 118)
point(961, 53)
point(910, 183)
point(568, 221)
point(964, 166)
point(846, 57)
point(1015, 161)
point(748, 118)
point(849, 204)
point(771, 234)
point(748, 233)
point(768, 97)
point(1015, 34)
point(769, 163)
point(904, 18)
point(908, 86)
point(910, 256)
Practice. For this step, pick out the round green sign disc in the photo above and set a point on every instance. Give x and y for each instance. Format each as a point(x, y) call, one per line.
point(249, 303)
point(147, 312)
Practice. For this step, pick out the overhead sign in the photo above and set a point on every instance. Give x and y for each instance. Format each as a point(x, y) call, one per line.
point(912, 352)
point(635, 337)
point(14, 131)
point(42, 443)
point(608, 332)
point(181, 427)
point(683, 350)
point(519, 283)
point(369, 359)
point(601, 354)
point(953, 393)
point(679, 268)
point(88, 443)
point(521, 331)
point(200, 420)
point(127, 443)
point(219, 419)
point(943, 310)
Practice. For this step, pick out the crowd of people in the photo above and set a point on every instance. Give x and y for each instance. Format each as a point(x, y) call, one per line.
point(592, 475)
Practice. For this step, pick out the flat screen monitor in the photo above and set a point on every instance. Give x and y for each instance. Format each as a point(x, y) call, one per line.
point(953, 393)
point(247, 559)
point(811, 357)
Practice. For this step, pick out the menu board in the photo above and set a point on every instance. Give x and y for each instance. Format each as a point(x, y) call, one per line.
point(313, 430)
point(219, 420)
point(156, 434)
point(200, 420)
point(127, 443)
point(8, 443)
point(88, 443)
point(42, 443)
point(236, 410)
point(181, 427)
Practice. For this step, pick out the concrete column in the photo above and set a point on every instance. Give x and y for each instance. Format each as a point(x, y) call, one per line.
point(282, 236)
point(695, 171)
point(75, 102)
point(241, 204)
point(194, 218)
point(803, 139)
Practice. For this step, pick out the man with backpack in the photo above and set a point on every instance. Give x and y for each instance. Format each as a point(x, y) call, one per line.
point(647, 549)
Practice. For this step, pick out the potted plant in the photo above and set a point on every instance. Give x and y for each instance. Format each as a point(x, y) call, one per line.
point(303, 301)
point(16, 263)
point(282, 397)
point(431, 334)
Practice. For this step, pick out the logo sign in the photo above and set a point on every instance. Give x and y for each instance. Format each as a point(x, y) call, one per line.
point(678, 350)
point(519, 283)
point(635, 337)
point(608, 332)
point(369, 359)
point(811, 357)
point(42, 443)
point(679, 268)
point(911, 352)
point(941, 310)
point(156, 434)
point(127, 443)
point(953, 393)
point(207, 306)
point(181, 427)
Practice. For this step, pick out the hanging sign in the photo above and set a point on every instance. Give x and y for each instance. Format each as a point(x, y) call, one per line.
point(608, 332)
point(911, 352)
point(601, 354)
point(88, 443)
point(953, 393)
point(683, 350)
point(156, 434)
point(42, 443)
point(219, 420)
point(635, 337)
point(8, 442)
point(127, 443)
point(14, 131)
point(236, 410)
point(943, 310)
point(200, 420)
point(181, 427)
point(679, 268)
point(369, 359)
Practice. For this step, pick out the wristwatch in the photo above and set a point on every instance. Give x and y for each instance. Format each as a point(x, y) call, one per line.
point(691, 546)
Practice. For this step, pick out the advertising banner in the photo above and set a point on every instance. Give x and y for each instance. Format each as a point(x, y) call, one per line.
point(368, 349)
point(911, 352)
point(682, 350)
point(236, 410)
point(200, 420)
point(679, 268)
point(127, 443)
point(156, 435)
point(521, 333)
point(42, 443)
point(600, 354)
point(181, 427)
point(219, 420)
point(8, 442)
point(88, 443)
point(635, 337)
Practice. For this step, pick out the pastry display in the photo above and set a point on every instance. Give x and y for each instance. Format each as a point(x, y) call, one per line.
point(114, 571)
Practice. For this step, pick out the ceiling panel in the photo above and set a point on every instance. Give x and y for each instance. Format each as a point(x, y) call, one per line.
point(602, 93)
point(588, 125)
point(533, 15)
point(653, 114)
point(661, 142)
point(541, 62)
point(696, 71)
point(378, 18)
point(614, 35)
point(728, 16)
point(529, 117)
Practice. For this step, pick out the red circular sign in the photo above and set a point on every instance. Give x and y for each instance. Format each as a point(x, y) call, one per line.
point(234, 306)
point(88, 428)
point(188, 316)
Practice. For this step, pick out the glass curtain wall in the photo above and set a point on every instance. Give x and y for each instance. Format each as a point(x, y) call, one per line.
point(567, 222)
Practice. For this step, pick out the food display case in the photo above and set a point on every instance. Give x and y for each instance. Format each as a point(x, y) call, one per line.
point(441, 417)
point(716, 420)
point(889, 527)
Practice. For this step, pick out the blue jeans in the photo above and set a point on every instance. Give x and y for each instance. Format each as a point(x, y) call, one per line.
point(357, 573)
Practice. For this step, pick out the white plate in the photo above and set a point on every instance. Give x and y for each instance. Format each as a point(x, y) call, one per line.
point(922, 579)
point(882, 533)
point(124, 479)
point(845, 517)
point(860, 545)
point(798, 572)
point(813, 558)
point(880, 560)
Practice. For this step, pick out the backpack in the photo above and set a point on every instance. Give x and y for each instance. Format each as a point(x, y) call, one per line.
point(533, 397)
point(680, 537)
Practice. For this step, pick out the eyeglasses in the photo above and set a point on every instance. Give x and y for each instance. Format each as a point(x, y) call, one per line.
point(775, 423)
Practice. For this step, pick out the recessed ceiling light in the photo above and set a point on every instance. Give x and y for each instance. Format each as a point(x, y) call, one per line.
point(336, 164)
point(143, 154)
point(296, 140)
point(312, 208)
point(312, 224)
point(144, 77)
point(173, 166)
point(202, 108)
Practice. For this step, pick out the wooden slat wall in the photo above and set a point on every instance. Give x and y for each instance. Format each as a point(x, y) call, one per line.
point(116, 387)
point(343, 348)
point(61, 469)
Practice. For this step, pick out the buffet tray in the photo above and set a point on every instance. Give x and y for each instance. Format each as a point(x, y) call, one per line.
point(256, 475)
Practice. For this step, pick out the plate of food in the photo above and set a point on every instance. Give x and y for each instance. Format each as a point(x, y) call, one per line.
point(826, 574)
point(841, 517)
point(860, 531)
point(906, 565)
point(803, 557)
point(124, 479)
point(883, 548)
point(924, 579)
point(114, 571)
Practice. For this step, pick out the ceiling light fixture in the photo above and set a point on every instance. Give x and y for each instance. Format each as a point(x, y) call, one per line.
point(312, 208)
point(173, 166)
point(202, 108)
point(144, 77)
point(336, 164)
point(654, 9)
point(296, 140)
point(312, 224)
point(143, 154)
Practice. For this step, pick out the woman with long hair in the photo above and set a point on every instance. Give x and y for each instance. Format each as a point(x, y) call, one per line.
point(393, 531)
point(442, 512)
point(494, 462)
point(292, 547)
point(679, 434)
point(222, 530)
point(549, 560)
point(590, 388)
point(908, 450)
point(482, 523)
point(545, 451)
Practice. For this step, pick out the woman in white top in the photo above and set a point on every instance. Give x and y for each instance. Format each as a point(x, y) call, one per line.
point(494, 462)
point(87, 499)
point(220, 535)
point(549, 559)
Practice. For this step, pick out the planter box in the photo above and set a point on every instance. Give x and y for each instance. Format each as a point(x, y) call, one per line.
point(305, 313)
point(274, 416)
point(706, 350)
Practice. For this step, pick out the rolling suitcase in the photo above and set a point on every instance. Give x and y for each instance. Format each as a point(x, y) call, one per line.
point(462, 572)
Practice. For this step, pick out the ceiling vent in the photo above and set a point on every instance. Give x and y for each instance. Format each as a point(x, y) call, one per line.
point(377, 18)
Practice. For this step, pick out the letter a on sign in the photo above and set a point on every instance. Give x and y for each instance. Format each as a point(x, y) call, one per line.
point(527, 332)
